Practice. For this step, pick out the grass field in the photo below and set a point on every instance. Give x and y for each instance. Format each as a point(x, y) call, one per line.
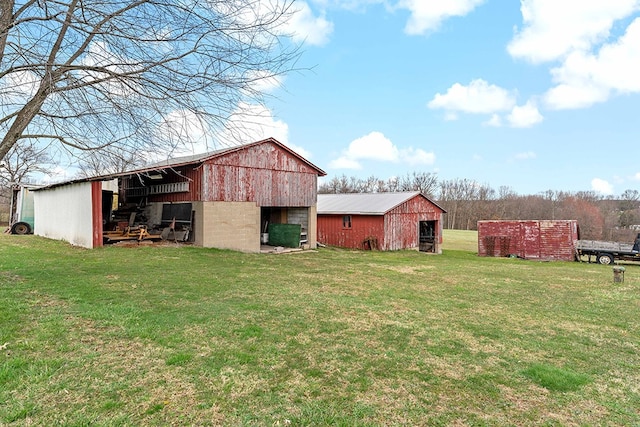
point(170, 335)
point(460, 240)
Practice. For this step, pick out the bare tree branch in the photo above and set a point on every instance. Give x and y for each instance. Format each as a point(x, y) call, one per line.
point(102, 75)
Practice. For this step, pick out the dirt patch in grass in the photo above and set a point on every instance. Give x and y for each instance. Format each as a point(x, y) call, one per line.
point(7, 278)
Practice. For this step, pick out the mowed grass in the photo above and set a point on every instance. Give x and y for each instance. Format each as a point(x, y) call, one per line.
point(170, 335)
point(460, 240)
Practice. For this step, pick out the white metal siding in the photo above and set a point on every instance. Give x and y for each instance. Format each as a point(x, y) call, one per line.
point(65, 213)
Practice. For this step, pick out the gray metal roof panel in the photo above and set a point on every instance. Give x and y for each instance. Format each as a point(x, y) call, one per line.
point(361, 203)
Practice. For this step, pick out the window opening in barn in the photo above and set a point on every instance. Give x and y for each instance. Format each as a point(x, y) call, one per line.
point(427, 236)
point(346, 221)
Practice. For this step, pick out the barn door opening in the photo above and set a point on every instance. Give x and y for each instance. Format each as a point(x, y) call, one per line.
point(427, 236)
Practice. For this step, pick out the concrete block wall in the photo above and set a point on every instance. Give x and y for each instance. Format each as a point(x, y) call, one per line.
point(298, 216)
point(228, 225)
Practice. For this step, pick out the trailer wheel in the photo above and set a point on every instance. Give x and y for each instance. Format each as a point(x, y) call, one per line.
point(605, 259)
point(20, 228)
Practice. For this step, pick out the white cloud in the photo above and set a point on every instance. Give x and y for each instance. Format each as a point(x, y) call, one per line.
point(585, 79)
point(375, 146)
point(345, 163)
point(417, 157)
point(554, 28)
point(479, 97)
point(527, 155)
point(574, 95)
point(525, 116)
point(264, 81)
point(636, 177)
point(494, 121)
point(57, 174)
point(99, 56)
point(428, 15)
point(305, 27)
point(450, 116)
point(182, 130)
point(18, 87)
point(250, 123)
point(601, 186)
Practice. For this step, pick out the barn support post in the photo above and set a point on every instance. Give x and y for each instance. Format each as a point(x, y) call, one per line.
point(96, 213)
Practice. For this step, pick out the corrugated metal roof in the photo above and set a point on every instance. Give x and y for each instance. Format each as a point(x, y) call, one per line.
point(186, 160)
point(198, 158)
point(195, 158)
point(362, 203)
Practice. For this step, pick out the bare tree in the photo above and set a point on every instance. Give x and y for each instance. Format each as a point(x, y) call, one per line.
point(18, 167)
point(21, 162)
point(338, 185)
point(108, 74)
point(424, 182)
point(107, 162)
point(629, 206)
point(455, 195)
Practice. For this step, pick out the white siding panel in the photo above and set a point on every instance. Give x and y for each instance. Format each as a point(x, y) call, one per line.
point(65, 213)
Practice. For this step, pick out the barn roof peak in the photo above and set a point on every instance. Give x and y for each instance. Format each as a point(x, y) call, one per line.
point(202, 157)
point(365, 203)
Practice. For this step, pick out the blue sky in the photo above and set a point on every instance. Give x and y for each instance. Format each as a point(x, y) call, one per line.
point(535, 95)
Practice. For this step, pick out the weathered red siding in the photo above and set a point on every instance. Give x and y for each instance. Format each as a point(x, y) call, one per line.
point(542, 240)
point(397, 229)
point(185, 173)
point(331, 232)
point(401, 223)
point(265, 174)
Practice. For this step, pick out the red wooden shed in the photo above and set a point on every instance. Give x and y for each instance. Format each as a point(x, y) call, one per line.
point(386, 221)
point(530, 239)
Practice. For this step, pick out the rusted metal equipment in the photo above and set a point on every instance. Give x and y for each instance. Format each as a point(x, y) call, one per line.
point(139, 233)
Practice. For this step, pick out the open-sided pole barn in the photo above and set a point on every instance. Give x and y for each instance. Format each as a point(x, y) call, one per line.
point(385, 221)
point(224, 199)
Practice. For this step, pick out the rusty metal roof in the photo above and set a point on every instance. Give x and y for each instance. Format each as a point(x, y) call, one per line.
point(362, 203)
point(185, 160)
point(198, 158)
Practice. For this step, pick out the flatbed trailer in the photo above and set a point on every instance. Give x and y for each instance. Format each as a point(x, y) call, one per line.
point(608, 252)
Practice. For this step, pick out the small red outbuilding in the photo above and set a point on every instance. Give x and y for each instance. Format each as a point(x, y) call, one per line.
point(535, 239)
point(386, 221)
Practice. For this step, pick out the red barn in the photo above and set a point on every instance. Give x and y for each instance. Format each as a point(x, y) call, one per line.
point(537, 240)
point(386, 221)
point(224, 199)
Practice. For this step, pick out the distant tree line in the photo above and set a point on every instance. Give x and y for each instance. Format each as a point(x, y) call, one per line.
point(467, 202)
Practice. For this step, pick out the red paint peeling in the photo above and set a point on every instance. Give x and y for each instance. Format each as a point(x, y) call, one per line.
point(397, 229)
point(266, 174)
point(542, 240)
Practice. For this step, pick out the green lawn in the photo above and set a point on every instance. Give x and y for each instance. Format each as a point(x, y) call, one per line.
point(188, 336)
point(460, 240)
